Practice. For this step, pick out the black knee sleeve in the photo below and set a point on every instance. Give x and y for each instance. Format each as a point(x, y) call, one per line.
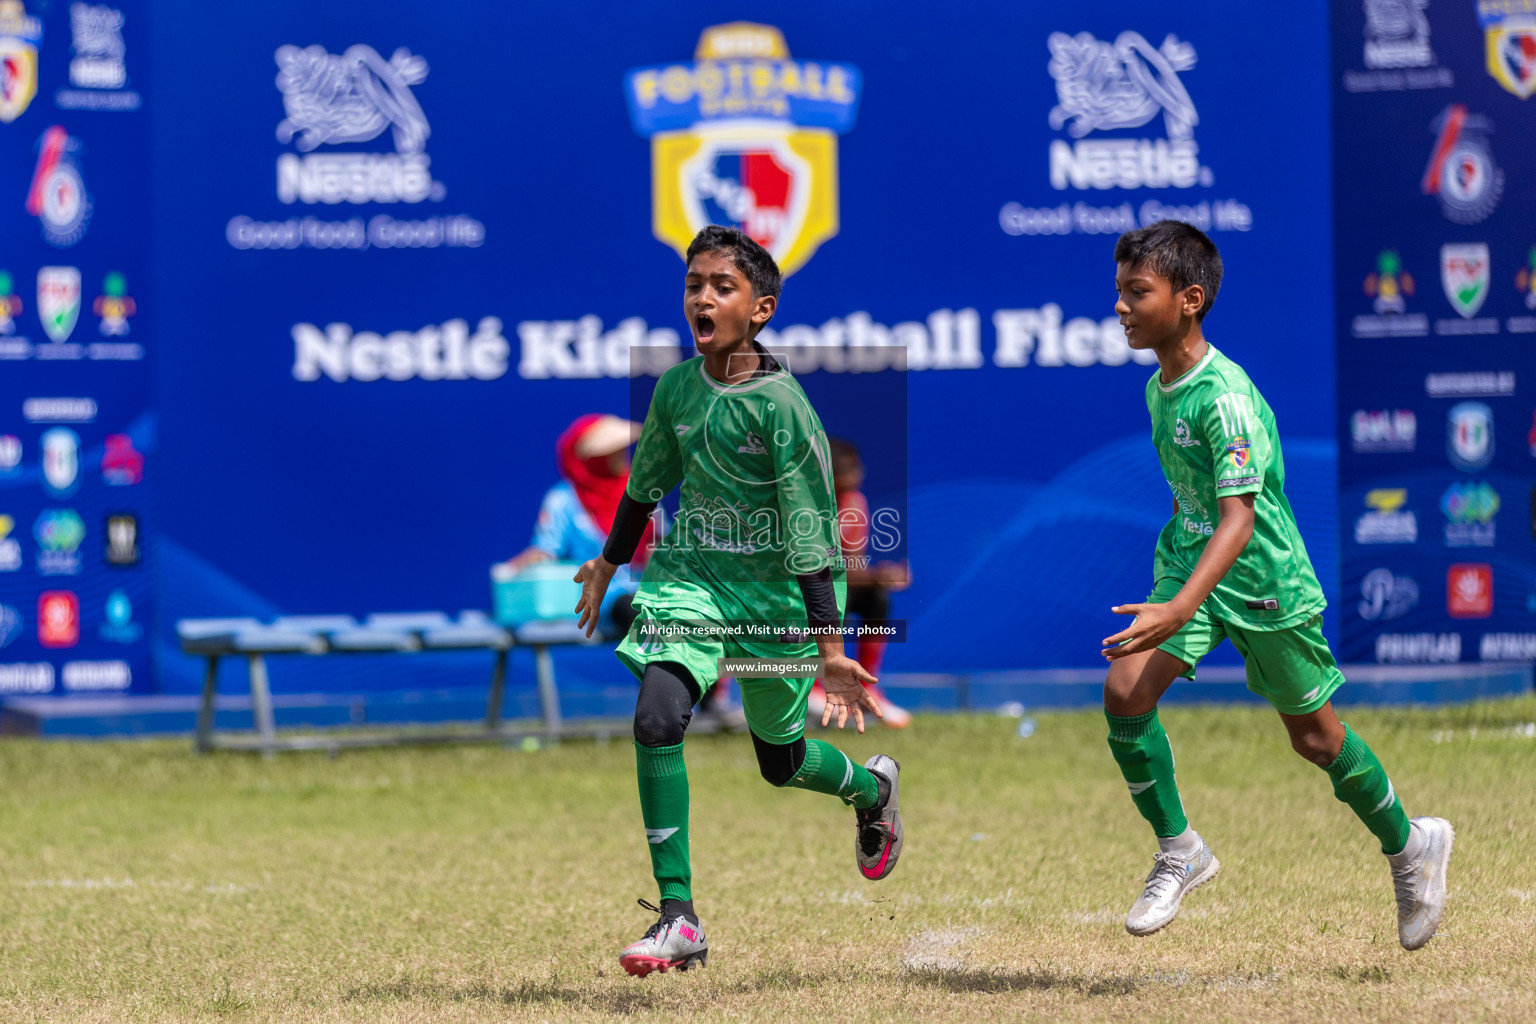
point(779, 762)
point(665, 705)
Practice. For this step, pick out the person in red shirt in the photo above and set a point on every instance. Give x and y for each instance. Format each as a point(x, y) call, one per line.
point(869, 584)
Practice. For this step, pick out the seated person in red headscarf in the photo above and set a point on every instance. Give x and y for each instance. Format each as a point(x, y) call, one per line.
point(577, 513)
point(576, 516)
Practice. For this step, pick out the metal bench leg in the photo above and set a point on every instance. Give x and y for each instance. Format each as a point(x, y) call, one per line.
point(261, 705)
point(497, 699)
point(205, 709)
point(549, 696)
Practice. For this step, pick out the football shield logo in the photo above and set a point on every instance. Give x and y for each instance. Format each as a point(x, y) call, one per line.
point(19, 35)
point(745, 137)
point(1510, 28)
point(58, 300)
point(1464, 275)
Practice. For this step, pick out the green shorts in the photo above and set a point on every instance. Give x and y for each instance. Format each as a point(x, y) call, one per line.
point(775, 708)
point(1291, 668)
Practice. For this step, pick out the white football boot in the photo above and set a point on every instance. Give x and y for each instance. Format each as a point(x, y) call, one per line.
point(1418, 876)
point(1172, 876)
point(878, 842)
point(675, 941)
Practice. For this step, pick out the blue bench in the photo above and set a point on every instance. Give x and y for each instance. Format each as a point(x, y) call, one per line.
point(385, 633)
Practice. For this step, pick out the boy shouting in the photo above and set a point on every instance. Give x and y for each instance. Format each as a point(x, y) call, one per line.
point(755, 544)
point(1231, 564)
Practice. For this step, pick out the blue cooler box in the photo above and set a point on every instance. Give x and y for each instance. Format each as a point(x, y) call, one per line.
point(542, 593)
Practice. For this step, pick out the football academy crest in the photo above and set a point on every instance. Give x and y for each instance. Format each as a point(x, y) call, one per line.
point(1461, 170)
point(1469, 436)
point(58, 300)
point(745, 137)
point(58, 197)
point(20, 35)
point(1464, 276)
point(1510, 29)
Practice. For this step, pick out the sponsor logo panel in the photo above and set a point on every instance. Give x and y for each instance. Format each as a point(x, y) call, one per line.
point(86, 676)
point(1470, 510)
point(1469, 436)
point(745, 136)
point(1108, 94)
point(58, 197)
point(1469, 591)
point(1389, 287)
point(10, 455)
point(20, 36)
point(1509, 28)
point(1387, 522)
point(1466, 281)
point(1418, 648)
point(1385, 595)
point(58, 619)
point(35, 677)
point(122, 531)
point(1461, 171)
point(1373, 431)
point(10, 547)
point(59, 533)
point(338, 108)
point(61, 461)
point(1397, 50)
point(121, 464)
point(98, 69)
point(119, 627)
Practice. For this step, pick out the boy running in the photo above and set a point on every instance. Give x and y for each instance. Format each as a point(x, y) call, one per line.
point(1231, 564)
point(755, 543)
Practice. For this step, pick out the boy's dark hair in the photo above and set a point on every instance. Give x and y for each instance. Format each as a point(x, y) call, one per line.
point(843, 451)
point(1177, 251)
point(754, 262)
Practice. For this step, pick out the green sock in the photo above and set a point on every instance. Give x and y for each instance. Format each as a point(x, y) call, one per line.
point(1145, 757)
point(829, 770)
point(1360, 781)
point(664, 807)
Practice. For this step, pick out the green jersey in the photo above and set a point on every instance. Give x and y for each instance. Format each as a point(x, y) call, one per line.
point(757, 506)
point(1215, 436)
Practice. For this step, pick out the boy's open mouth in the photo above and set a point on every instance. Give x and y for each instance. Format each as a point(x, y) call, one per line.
point(704, 327)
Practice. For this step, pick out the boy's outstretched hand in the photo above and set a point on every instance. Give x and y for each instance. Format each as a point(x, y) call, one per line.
point(1154, 624)
point(594, 577)
point(844, 679)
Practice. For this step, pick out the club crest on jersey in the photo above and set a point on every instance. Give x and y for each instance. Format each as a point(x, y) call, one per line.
point(1510, 29)
point(1237, 452)
point(745, 137)
point(1181, 435)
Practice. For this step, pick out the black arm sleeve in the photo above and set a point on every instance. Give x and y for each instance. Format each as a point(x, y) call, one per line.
point(628, 526)
point(820, 598)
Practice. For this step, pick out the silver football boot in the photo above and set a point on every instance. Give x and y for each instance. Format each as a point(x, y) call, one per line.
point(675, 941)
point(1172, 876)
point(1419, 880)
point(878, 843)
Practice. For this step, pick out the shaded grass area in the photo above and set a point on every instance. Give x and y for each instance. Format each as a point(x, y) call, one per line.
point(143, 883)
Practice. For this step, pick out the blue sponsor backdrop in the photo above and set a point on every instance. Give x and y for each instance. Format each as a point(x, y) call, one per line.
point(1436, 320)
point(78, 345)
point(399, 247)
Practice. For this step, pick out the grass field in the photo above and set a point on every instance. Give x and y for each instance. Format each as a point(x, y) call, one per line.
point(479, 884)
